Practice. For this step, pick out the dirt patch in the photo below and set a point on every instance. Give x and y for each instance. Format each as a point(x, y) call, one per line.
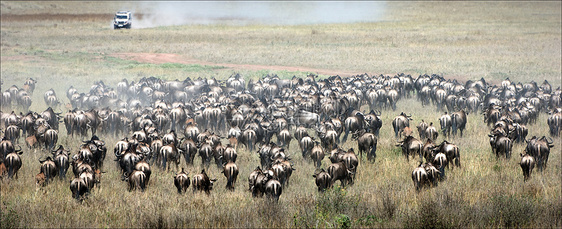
point(160, 58)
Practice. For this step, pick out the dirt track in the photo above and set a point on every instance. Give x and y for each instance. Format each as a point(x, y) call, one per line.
point(160, 58)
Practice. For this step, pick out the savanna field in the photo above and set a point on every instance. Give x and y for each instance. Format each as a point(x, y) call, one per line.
point(521, 41)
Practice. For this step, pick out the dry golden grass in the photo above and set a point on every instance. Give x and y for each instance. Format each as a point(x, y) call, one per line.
point(383, 194)
point(459, 40)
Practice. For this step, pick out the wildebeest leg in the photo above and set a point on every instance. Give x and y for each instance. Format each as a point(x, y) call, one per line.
point(407, 154)
point(345, 135)
point(164, 161)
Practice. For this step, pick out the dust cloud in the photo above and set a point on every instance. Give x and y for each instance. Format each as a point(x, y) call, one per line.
point(156, 14)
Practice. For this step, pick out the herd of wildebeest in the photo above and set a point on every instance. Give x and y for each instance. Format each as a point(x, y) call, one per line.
point(160, 121)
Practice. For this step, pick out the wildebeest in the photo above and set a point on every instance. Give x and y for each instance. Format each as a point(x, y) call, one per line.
point(229, 154)
point(300, 133)
point(519, 133)
point(446, 123)
point(182, 181)
point(202, 182)
point(411, 146)
point(252, 179)
point(128, 160)
point(169, 153)
point(284, 138)
point(230, 171)
point(422, 126)
point(374, 122)
point(273, 189)
point(323, 180)
point(427, 150)
point(458, 121)
point(501, 145)
point(555, 122)
point(249, 139)
point(400, 122)
point(306, 118)
point(48, 168)
point(189, 149)
point(540, 149)
point(136, 180)
point(440, 160)
point(69, 122)
point(419, 177)
point(191, 130)
point(51, 117)
point(6, 147)
point(12, 133)
point(366, 142)
point(306, 144)
point(317, 154)
point(13, 163)
point(51, 139)
point(29, 85)
point(144, 167)
point(206, 153)
point(78, 188)
point(433, 175)
point(354, 122)
point(339, 171)
point(527, 164)
point(88, 177)
point(431, 132)
point(451, 151)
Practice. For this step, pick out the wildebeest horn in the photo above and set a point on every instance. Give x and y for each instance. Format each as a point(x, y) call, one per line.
point(18, 150)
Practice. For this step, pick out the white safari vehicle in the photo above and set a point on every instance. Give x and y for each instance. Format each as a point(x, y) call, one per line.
point(122, 19)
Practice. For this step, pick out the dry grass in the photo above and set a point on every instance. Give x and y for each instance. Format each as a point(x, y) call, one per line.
point(459, 40)
point(484, 193)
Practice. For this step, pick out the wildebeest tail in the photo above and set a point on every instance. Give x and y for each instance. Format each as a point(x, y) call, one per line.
point(277, 191)
point(62, 171)
point(142, 181)
point(508, 146)
point(539, 158)
point(230, 177)
point(457, 157)
point(164, 160)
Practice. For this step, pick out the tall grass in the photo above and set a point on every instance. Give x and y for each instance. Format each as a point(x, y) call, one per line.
point(459, 40)
point(485, 192)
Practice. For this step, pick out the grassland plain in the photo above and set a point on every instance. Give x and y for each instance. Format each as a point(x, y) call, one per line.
point(520, 40)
